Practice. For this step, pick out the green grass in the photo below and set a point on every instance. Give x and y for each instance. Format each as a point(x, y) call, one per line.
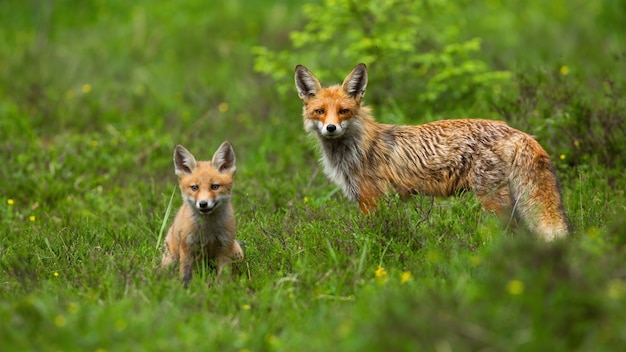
point(95, 95)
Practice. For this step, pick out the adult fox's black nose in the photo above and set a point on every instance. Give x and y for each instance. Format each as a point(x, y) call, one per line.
point(331, 128)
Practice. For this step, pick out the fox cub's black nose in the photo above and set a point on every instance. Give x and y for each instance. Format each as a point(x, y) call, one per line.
point(331, 128)
point(203, 204)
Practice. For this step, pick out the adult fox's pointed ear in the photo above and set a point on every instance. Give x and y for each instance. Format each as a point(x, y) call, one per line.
point(224, 159)
point(184, 162)
point(306, 83)
point(356, 82)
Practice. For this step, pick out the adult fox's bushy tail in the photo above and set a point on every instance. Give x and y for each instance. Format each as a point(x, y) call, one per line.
point(507, 169)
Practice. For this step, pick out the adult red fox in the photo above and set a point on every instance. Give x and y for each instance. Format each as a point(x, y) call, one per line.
point(204, 226)
point(507, 169)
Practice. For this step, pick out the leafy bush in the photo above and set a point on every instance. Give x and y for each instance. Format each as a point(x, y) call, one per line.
point(584, 124)
point(417, 55)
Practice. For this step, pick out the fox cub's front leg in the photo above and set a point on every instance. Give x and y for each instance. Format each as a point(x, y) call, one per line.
point(226, 258)
point(186, 256)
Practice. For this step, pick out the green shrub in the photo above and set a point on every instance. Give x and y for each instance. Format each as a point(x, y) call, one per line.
point(416, 55)
point(582, 125)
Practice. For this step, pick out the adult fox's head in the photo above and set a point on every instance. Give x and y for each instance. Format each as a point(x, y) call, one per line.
point(205, 185)
point(331, 111)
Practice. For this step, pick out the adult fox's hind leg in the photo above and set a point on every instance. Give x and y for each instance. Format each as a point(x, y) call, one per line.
point(500, 202)
point(491, 185)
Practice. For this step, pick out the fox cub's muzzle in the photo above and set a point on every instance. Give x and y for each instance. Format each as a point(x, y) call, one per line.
point(206, 206)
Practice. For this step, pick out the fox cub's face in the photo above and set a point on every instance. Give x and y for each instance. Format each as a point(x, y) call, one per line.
point(205, 185)
point(331, 111)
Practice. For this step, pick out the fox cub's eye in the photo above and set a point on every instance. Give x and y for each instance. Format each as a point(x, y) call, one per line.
point(319, 111)
point(343, 111)
point(194, 187)
point(215, 186)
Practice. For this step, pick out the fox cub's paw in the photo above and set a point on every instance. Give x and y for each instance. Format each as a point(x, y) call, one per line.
point(237, 252)
point(167, 260)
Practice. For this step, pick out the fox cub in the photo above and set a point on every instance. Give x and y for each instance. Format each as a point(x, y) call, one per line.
point(204, 227)
point(507, 169)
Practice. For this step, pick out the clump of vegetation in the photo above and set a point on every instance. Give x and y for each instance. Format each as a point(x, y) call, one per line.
point(413, 58)
point(584, 123)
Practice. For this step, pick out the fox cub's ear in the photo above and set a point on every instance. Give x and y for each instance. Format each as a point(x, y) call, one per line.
point(224, 159)
point(306, 83)
point(356, 82)
point(184, 162)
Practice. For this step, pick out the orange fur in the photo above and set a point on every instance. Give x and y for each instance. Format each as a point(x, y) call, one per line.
point(507, 169)
point(204, 226)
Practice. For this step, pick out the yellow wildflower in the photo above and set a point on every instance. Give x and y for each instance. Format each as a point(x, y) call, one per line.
point(120, 324)
point(272, 340)
point(405, 276)
point(380, 272)
point(593, 232)
point(381, 275)
point(515, 287)
point(616, 289)
point(72, 307)
point(60, 321)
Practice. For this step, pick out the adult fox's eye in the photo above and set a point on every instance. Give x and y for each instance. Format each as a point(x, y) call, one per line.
point(343, 111)
point(194, 187)
point(319, 111)
point(215, 186)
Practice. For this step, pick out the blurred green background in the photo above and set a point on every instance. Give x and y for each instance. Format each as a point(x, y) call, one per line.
point(94, 95)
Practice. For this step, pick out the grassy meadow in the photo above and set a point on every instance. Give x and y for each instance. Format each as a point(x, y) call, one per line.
point(94, 95)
